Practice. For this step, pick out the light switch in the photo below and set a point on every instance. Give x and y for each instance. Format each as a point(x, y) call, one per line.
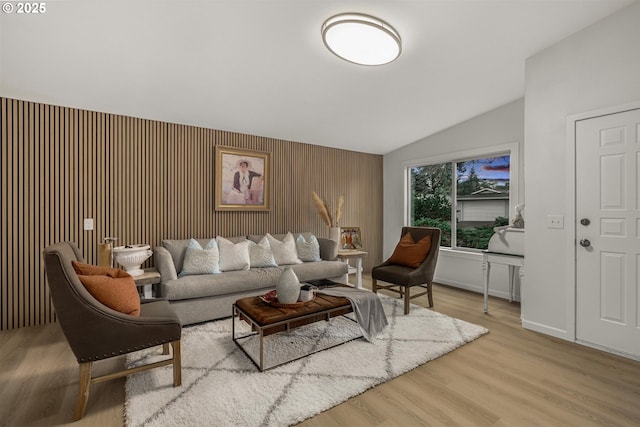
point(555, 221)
point(88, 224)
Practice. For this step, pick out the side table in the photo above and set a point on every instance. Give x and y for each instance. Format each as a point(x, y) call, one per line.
point(345, 255)
point(146, 281)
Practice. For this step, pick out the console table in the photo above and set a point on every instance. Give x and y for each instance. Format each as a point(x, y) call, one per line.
point(513, 261)
point(345, 255)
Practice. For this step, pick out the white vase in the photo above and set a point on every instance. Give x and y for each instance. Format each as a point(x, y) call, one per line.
point(288, 288)
point(334, 234)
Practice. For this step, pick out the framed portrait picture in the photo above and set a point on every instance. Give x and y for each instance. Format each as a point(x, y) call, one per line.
point(243, 179)
point(350, 238)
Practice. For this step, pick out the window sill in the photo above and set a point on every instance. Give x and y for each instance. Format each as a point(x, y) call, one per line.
point(461, 254)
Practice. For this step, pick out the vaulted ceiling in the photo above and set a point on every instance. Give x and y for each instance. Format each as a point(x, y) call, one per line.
point(260, 67)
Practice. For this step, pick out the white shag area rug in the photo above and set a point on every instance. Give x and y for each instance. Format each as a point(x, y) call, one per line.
point(222, 387)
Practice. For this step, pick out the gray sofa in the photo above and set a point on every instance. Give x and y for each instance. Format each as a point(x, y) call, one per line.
point(204, 297)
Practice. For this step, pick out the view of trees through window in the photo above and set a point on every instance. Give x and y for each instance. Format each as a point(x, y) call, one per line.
point(479, 190)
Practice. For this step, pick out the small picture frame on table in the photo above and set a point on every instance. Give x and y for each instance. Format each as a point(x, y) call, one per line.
point(350, 238)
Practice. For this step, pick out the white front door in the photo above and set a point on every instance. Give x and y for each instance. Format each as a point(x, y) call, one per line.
point(608, 231)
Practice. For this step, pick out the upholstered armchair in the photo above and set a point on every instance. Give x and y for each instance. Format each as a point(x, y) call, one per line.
point(96, 332)
point(405, 277)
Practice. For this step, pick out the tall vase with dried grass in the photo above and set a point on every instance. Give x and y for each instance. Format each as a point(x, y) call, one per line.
point(325, 213)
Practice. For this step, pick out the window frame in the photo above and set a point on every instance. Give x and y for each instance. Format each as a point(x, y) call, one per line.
point(510, 149)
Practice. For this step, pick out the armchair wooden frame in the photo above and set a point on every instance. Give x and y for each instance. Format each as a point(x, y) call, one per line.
point(95, 332)
point(404, 278)
point(405, 292)
point(86, 380)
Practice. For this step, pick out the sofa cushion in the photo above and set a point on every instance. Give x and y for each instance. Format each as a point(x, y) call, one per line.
point(233, 256)
point(228, 282)
point(199, 260)
point(284, 251)
point(113, 287)
point(260, 254)
point(308, 249)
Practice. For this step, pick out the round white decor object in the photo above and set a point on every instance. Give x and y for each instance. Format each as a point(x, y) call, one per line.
point(288, 288)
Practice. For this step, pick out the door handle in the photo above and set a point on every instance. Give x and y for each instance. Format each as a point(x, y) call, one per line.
point(585, 221)
point(585, 243)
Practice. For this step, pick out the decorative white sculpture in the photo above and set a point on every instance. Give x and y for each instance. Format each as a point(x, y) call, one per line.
point(288, 288)
point(518, 221)
point(131, 257)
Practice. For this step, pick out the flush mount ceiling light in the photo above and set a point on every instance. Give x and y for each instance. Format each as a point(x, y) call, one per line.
point(361, 39)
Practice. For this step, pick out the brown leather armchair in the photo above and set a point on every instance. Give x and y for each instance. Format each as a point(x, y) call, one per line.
point(96, 332)
point(406, 277)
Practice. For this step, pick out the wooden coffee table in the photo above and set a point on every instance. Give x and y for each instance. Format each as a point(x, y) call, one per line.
point(266, 319)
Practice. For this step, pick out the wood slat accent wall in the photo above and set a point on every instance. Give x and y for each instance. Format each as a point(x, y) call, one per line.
point(143, 181)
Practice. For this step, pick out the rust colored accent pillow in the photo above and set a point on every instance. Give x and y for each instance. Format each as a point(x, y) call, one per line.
point(410, 253)
point(113, 287)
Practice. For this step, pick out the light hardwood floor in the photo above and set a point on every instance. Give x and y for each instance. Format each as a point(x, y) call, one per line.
point(509, 377)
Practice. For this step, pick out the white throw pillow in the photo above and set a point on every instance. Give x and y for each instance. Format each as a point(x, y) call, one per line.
point(308, 250)
point(284, 251)
point(199, 260)
point(260, 254)
point(233, 256)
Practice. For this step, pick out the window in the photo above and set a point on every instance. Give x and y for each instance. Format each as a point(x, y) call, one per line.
point(475, 192)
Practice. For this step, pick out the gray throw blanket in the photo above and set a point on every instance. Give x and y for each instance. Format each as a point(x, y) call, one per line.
point(366, 306)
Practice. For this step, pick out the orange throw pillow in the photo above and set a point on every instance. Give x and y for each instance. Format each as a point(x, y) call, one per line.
point(113, 287)
point(410, 253)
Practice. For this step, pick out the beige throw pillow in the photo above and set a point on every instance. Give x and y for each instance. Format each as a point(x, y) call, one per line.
point(260, 254)
point(284, 251)
point(308, 250)
point(233, 256)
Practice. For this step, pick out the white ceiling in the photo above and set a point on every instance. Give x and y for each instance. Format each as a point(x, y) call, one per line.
point(260, 67)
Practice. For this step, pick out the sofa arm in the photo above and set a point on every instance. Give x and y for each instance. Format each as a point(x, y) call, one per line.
point(328, 249)
point(164, 264)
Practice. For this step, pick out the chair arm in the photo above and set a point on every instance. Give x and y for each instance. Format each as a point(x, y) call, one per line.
point(164, 264)
point(328, 249)
point(112, 333)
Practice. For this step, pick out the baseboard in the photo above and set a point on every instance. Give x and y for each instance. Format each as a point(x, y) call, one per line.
point(564, 335)
point(547, 330)
point(609, 350)
point(473, 288)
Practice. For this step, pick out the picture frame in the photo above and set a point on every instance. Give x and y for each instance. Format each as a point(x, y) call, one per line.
point(243, 179)
point(350, 238)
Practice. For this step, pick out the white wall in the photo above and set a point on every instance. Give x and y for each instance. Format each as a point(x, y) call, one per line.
point(595, 68)
point(504, 125)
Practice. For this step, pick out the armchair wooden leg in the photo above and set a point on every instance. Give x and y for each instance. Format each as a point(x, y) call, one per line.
point(429, 295)
point(407, 299)
point(374, 285)
point(177, 364)
point(83, 392)
point(165, 348)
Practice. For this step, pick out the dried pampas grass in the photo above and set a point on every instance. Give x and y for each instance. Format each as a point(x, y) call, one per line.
point(321, 205)
point(339, 209)
point(324, 211)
